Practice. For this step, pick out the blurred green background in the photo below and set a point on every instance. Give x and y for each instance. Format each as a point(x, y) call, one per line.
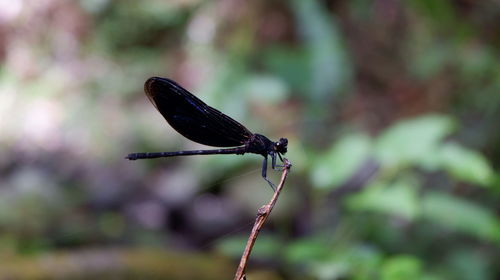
point(391, 108)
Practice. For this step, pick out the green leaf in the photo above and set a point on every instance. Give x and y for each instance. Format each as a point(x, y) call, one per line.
point(329, 68)
point(341, 161)
point(461, 215)
point(398, 199)
point(232, 246)
point(402, 267)
point(289, 63)
point(263, 88)
point(413, 141)
point(465, 164)
point(330, 270)
point(335, 261)
point(469, 264)
point(307, 250)
point(363, 261)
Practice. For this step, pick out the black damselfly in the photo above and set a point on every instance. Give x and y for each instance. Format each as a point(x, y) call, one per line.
point(203, 124)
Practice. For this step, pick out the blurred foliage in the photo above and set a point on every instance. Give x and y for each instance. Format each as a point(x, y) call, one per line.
point(113, 263)
point(391, 109)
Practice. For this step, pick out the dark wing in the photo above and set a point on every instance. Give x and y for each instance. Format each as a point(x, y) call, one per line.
point(192, 118)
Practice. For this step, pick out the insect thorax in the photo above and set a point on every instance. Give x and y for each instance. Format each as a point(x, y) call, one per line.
point(259, 144)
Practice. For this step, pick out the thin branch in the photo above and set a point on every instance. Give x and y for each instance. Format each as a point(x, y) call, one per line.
point(262, 216)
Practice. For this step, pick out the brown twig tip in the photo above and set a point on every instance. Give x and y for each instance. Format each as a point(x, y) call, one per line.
point(287, 163)
point(262, 215)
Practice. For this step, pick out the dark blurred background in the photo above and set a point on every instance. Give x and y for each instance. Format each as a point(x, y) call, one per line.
point(391, 109)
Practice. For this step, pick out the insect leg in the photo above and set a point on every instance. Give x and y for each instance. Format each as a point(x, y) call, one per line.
point(273, 162)
point(264, 174)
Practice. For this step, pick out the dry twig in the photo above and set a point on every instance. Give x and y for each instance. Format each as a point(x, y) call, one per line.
point(262, 216)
